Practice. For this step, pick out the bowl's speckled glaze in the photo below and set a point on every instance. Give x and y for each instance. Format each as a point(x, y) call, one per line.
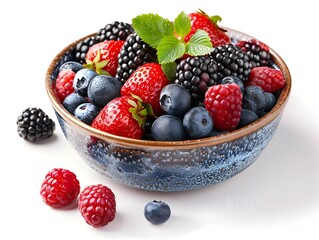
point(170, 166)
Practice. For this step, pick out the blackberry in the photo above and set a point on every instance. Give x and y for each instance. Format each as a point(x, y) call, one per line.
point(257, 52)
point(115, 31)
point(83, 47)
point(133, 54)
point(67, 56)
point(232, 61)
point(34, 125)
point(196, 74)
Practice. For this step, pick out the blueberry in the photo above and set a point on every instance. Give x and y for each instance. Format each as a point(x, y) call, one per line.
point(168, 128)
point(175, 99)
point(233, 79)
point(103, 89)
point(86, 112)
point(270, 101)
point(72, 101)
point(247, 117)
point(198, 122)
point(157, 212)
point(82, 79)
point(254, 99)
point(74, 66)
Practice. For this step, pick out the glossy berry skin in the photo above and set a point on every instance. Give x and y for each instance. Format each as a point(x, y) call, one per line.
point(168, 128)
point(72, 101)
point(103, 89)
point(72, 65)
point(86, 112)
point(175, 99)
point(82, 80)
point(224, 102)
point(198, 122)
point(60, 188)
point(64, 84)
point(247, 117)
point(269, 79)
point(97, 205)
point(157, 212)
point(147, 82)
point(254, 99)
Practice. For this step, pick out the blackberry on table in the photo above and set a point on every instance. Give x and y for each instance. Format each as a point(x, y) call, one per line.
point(133, 54)
point(115, 31)
point(34, 125)
point(83, 47)
point(231, 61)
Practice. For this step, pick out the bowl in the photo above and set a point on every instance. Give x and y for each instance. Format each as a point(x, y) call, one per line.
point(165, 165)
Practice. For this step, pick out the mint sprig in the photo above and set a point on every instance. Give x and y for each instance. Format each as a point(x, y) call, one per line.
point(168, 37)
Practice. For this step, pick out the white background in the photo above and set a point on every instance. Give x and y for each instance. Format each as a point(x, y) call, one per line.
point(275, 198)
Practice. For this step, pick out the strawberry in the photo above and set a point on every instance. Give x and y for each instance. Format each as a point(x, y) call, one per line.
point(64, 84)
point(147, 81)
point(123, 116)
point(224, 102)
point(269, 79)
point(200, 20)
point(102, 57)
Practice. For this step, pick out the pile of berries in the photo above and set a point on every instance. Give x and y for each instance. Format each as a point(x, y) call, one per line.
point(190, 81)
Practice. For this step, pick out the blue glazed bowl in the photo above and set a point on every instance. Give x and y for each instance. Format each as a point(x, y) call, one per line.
point(169, 166)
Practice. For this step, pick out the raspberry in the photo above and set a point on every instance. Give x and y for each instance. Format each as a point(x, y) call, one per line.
point(64, 84)
point(59, 188)
point(269, 79)
point(97, 205)
point(224, 102)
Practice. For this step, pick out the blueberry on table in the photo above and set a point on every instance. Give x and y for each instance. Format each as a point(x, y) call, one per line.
point(168, 128)
point(157, 212)
point(82, 80)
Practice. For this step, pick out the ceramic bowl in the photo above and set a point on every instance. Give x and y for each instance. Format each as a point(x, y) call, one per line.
point(163, 165)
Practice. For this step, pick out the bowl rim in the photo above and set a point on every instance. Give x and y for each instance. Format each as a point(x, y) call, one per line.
point(170, 145)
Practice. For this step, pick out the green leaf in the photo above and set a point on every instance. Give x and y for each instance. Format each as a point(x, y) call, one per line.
point(152, 28)
point(170, 49)
point(215, 19)
point(199, 44)
point(182, 24)
point(170, 70)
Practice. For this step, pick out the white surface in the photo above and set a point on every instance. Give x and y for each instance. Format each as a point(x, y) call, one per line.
point(275, 198)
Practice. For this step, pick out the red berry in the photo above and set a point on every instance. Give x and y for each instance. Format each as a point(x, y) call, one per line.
point(269, 79)
point(59, 188)
point(224, 102)
point(64, 84)
point(97, 205)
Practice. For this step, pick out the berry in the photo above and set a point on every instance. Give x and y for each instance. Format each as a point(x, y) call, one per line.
point(157, 212)
point(247, 117)
point(72, 101)
point(64, 84)
point(198, 122)
point(254, 99)
point(133, 54)
point(83, 47)
point(257, 52)
point(168, 128)
point(66, 57)
point(102, 57)
point(233, 79)
point(82, 80)
point(103, 89)
point(34, 125)
point(147, 82)
point(224, 102)
point(196, 74)
point(74, 66)
point(270, 101)
point(200, 20)
point(232, 61)
point(115, 31)
point(86, 112)
point(97, 205)
point(175, 99)
point(269, 79)
point(123, 116)
point(59, 188)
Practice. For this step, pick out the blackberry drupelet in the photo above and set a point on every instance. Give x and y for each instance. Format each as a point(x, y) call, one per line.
point(115, 31)
point(232, 61)
point(83, 47)
point(68, 56)
point(197, 74)
point(133, 54)
point(34, 125)
point(257, 52)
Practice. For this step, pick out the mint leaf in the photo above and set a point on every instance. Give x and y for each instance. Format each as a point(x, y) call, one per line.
point(182, 24)
point(170, 70)
point(152, 28)
point(170, 49)
point(199, 44)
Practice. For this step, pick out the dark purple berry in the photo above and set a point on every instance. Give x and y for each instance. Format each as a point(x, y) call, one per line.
point(157, 212)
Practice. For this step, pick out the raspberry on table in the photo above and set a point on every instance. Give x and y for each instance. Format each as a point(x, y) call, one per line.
point(59, 188)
